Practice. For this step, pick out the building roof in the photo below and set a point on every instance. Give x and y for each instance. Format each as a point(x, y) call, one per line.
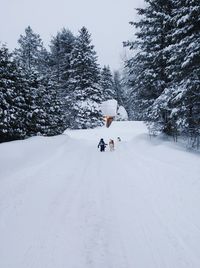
point(109, 107)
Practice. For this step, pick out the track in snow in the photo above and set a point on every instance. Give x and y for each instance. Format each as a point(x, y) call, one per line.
point(64, 204)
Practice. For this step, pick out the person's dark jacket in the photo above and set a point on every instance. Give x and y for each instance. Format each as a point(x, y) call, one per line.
point(102, 145)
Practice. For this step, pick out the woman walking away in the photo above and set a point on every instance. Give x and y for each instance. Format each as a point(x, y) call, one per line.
point(102, 145)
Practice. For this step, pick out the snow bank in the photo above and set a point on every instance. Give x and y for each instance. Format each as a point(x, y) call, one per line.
point(122, 114)
point(32, 151)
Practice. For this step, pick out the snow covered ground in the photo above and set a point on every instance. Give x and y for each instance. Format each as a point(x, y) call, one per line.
point(63, 204)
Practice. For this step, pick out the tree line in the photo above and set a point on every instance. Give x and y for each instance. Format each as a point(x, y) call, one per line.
point(43, 92)
point(163, 73)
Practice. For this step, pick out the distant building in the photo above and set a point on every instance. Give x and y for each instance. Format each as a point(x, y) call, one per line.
point(109, 110)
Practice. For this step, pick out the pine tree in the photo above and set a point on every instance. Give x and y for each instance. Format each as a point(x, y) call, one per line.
point(55, 121)
point(107, 84)
point(60, 62)
point(85, 92)
point(148, 68)
point(33, 61)
point(11, 99)
point(182, 97)
point(118, 89)
point(185, 67)
point(61, 48)
point(165, 73)
point(29, 52)
point(129, 97)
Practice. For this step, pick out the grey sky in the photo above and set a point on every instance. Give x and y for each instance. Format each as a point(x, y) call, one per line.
point(106, 20)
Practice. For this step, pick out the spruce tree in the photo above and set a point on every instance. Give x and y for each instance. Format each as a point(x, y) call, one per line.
point(118, 88)
point(126, 96)
point(34, 63)
point(61, 48)
point(182, 96)
point(107, 84)
point(29, 52)
point(148, 68)
point(12, 116)
point(85, 93)
point(185, 67)
point(60, 62)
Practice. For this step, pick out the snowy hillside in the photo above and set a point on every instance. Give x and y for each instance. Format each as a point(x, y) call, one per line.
point(63, 204)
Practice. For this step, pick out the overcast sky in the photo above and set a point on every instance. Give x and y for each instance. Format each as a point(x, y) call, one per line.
point(106, 20)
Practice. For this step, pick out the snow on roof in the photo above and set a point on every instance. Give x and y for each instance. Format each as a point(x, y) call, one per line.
point(109, 107)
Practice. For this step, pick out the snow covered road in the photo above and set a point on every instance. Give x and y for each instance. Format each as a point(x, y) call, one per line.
point(63, 204)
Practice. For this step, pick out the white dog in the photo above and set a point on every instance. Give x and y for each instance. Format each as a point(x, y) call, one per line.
point(111, 145)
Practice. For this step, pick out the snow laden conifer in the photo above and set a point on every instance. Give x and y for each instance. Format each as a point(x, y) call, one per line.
point(29, 52)
point(119, 89)
point(148, 67)
point(181, 99)
point(184, 60)
point(85, 92)
point(28, 56)
point(107, 84)
point(33, 61)
point(60, 62)
point(126, 98)
point(12, 116)
point(56, 121)
point(61, 48)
